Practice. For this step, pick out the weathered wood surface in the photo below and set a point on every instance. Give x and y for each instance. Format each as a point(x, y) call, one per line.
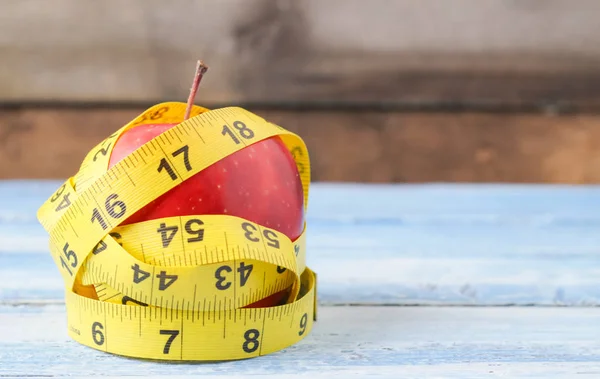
point(467, 51)
point(374, 246)
point(395, 245)
point(347, 146)
point(348, 342)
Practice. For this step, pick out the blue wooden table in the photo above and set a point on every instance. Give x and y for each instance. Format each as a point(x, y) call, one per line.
point(414, 281)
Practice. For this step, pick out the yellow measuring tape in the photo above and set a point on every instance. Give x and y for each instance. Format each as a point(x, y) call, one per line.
point(175, 288)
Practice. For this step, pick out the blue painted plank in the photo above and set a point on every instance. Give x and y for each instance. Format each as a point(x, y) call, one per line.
point(350, 341)
point(392, 244)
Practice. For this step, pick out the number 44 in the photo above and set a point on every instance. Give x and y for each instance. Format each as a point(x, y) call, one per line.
point(165, 280)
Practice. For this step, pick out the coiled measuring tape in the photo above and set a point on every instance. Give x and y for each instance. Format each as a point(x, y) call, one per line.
point(175, 288)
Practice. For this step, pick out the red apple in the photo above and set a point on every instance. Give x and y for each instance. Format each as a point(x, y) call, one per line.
point(259, 183)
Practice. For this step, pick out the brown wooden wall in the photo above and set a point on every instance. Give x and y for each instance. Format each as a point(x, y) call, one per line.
point(348, 146)
point(382, 90)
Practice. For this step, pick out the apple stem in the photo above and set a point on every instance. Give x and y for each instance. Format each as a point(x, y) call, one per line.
point(201, 69)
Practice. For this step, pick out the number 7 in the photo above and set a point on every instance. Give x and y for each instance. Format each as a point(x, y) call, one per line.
point(186, 159)
point(172, 334)
point(164, 164)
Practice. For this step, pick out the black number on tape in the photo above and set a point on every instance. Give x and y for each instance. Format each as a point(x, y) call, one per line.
point(303, 323)
point(97, 216)
point(164, 164)
point(158, 113)
point(198, 233)
point(139, 275)
point(64, 203)
point(185, 150)
point(58, 193)
point(245, 131)
point(250, 229)
point(116, 236)
point(71, 258)
point(115, 209)
point(280, 269)
point(172, 335)
point(127, 299)
point(221, 285)
point(296, 154)
point(227, 131)
point(272, 238)
point(100, 247)
point(297, 249)
point(165, 280)
point(251, 343)
point(167, 233)
point(242, 128)
point(97, 334)
point(269, 235)
point(244, 270)
point(152, 115)
point(103, 151)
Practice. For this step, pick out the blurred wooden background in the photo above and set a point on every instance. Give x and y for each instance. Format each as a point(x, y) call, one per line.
point(381, 90)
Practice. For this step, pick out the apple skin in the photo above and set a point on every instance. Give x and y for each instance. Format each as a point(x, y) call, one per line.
point(259, 183)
